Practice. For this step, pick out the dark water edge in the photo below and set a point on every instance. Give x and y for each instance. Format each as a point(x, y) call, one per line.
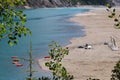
point(79, 30)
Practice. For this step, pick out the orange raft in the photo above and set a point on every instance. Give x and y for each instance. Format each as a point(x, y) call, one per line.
point(47, 57)
point(14, 57)
point(19, 65)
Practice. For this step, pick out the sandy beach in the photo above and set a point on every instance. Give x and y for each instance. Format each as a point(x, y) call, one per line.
point(100, 60)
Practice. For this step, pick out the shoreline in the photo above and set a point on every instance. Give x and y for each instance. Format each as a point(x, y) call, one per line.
point(99, 61)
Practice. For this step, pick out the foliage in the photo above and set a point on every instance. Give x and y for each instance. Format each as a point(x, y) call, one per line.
point(114, 16)
point(12, 21)
point(116, 72)
point(57, 53)
point(91, 2)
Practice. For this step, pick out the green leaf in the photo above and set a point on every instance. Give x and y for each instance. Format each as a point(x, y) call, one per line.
point(10, 43)
point(24, 15)
point(113, 10)
point(110, 16)
point(15, 42)
point(9, 23)
point(116, 20)
point(23, 22)
point(19, 35)
point(17, 23)
point(12, 5)
point(108, 5)
point(117, 24)
point(9, 35)
point(113, 14)
point(108, 10)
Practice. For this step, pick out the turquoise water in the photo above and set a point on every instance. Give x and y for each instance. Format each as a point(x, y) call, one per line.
point(46, 25)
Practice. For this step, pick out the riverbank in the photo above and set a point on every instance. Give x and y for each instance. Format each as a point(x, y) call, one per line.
point(100, 60)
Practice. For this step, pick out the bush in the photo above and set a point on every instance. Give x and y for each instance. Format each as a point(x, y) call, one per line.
point(57, 53)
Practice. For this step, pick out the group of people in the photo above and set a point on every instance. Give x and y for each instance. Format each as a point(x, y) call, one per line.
point(86, 46)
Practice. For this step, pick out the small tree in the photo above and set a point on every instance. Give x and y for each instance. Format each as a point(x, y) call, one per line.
point(116, 72)
point(30, 60)
point(113, 15)
point(12, 21)
point(57, 53)
point(116, 17)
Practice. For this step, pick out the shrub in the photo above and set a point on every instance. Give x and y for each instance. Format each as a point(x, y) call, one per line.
point(57, 53)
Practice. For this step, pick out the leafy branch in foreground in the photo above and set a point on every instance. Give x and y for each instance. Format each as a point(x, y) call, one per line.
point(114, 16)
point(57, 53)
point(12, 21)
point(116, 72)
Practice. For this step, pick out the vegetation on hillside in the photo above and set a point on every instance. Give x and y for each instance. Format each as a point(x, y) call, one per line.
point(91, 2)
point(65, 3)
point(94, 2)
